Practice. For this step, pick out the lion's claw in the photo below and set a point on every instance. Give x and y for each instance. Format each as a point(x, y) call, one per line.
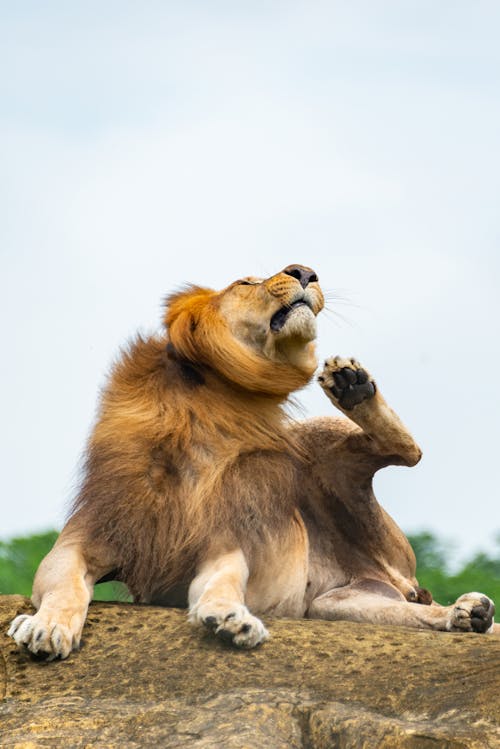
point(43, 636)
point(236, 625)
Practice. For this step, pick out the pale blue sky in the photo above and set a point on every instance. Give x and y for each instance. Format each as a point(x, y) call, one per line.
point(148, 144)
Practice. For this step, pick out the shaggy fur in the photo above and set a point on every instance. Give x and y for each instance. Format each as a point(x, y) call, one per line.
point(178, 421)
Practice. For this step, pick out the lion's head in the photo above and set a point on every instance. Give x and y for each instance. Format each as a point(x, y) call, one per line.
point(258, 333)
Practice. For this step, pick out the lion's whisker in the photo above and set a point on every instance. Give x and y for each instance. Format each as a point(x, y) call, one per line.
point(335, 316)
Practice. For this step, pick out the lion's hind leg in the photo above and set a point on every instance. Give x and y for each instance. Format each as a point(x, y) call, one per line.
point(377, 602)
point(352, 390)
point(216, 601)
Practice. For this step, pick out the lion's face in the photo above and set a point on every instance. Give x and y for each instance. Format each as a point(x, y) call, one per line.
point(275, 316)
point(257, 332)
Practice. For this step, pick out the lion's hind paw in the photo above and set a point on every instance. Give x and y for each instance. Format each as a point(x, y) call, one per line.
point(472, 612)
point(346, 383)
point(231, 623)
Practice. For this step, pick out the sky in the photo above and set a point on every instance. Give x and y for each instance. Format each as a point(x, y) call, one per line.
point(145, 145)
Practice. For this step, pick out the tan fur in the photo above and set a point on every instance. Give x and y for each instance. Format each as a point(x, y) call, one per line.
point(198, 490)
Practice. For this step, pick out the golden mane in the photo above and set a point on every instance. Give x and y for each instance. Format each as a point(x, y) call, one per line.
point(199, 334)
point(163, 467)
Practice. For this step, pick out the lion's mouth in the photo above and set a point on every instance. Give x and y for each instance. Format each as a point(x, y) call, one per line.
point(280, 317)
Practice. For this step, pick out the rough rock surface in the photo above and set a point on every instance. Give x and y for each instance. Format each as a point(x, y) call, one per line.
point(144, 679)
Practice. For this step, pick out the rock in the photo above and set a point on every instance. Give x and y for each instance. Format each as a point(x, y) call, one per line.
point(144, 678)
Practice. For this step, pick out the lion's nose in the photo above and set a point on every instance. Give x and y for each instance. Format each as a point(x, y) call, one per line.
point(304, 275)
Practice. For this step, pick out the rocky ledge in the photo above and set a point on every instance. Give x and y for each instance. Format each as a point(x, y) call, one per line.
point(144, 678)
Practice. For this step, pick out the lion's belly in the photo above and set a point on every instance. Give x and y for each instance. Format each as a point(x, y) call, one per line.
point(282, 596)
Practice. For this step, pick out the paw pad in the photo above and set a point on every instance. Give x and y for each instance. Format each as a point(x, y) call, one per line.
point(347, 382)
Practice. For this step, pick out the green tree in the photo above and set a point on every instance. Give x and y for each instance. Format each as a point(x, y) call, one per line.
point(480, 573)
point(20, 557)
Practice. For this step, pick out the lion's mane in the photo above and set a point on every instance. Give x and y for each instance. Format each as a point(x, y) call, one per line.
point(189, 437)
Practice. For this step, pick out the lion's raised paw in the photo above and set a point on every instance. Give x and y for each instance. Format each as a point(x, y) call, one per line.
point(346, 383)
point(472, 612)
point(231, 623)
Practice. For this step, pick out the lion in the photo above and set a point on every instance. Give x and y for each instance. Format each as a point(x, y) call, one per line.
point(199, 490)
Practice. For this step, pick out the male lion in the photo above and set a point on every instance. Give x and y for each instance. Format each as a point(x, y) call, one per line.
point(198, 489)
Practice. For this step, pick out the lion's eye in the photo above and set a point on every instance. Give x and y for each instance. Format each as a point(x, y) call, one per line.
point(248, 283)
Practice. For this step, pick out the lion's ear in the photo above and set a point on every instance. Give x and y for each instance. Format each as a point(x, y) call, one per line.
point(184, 310)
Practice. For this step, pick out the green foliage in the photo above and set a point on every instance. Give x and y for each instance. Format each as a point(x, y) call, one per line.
point(20, 557)
point(480, 573)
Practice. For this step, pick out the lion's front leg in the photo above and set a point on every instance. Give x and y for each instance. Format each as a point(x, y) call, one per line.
point(353, 391)
point(216, 601)
point(62, 591)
